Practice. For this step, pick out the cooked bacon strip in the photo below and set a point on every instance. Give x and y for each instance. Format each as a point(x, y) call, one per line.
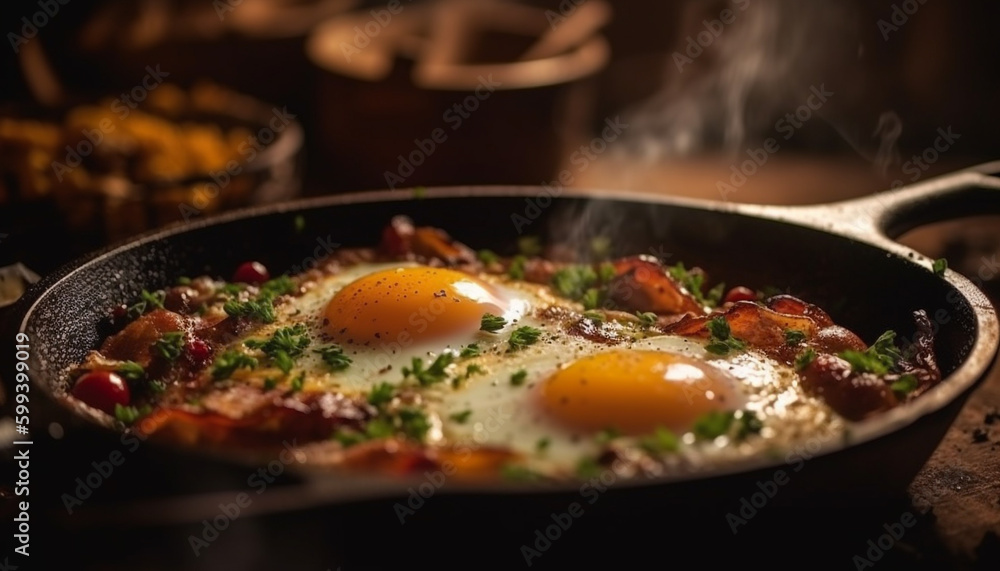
point(401, 238)
point(246, 417)
point(795, 306)
point(853, 395)
point(642, 284)
point(134, 343)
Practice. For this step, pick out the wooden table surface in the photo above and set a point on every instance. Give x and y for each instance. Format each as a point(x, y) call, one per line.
point(959, 487)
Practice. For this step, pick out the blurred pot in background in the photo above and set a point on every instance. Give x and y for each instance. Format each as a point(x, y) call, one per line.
point(454, 92)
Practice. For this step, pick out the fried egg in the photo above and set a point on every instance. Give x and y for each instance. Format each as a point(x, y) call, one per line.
point(551, 403)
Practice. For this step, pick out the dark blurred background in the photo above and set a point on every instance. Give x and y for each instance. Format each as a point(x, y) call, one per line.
point(121, 116)
point(701, 85)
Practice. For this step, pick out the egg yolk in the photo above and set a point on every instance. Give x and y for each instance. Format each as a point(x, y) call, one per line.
point(406, 305)
point(636, 392)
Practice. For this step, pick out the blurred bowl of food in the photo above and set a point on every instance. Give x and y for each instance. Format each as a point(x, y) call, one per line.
point(117, 166)
point(454, 92)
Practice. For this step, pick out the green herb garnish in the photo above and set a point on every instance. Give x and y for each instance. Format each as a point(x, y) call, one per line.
point(693, 283)
point(529, 245)
point(381, 394)
point(516, 269)
point(804, 359)
point(661, 441)
point(721, 341)
point(334, 357)
point(517, 379)
point(227, 363)
point(522, 337)
point(492, 323)
point(905, 385)
point(461, 417)
point(712, 425)
point(131, 371)
point(794, 336)
point(435, 373)
point(469, 351)
point(647, 319)
point(879, 359)
point(147, 302)
point(594, 316)
point(170, 345)
point(298, 382)
point(487, 257)
point(130, 414)
point(543, 444)
point(939, 266)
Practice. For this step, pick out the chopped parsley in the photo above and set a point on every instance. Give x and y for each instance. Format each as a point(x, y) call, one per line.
point(281, 285)
point(487, 257)
point(594, 316)
point(517, 379)
point(794, 336)
point(232, 289)
point(522, 337)
point(147, 302)
point(130, 370)
point(183, 281)
point(939, 266)
point(170, 345)
point(492, 323)
point(879, 359)
point(573, 282)
point(647, 319)
point(435, 373)
point(721, 341)
point(661, 441)
point(529, 245)
point(516, 269)
point(804, 359)
point(693, 282)
point(591, 299)
point(270, 383)
point(469, 351)
point(600, 247)
point(157, 387)
point(543, 444)
point(381, 394)
point(905, 385)
point(413, 423)
point(130, 414)
point(461, 417)
point(227, 363)
point(749, 423)
point(712, 425)
point(334, 357)
point(298, 382)
point(473, 370)
point(260, 309)
point(284, 346)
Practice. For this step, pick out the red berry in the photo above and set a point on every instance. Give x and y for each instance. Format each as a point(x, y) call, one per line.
point(198, 350)
point(102, 390)
point(251, 273)
point(740, 293)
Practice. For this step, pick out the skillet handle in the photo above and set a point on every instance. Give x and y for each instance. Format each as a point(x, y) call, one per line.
point(887, 215)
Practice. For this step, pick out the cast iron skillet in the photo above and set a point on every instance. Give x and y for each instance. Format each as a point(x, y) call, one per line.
point(839, 255)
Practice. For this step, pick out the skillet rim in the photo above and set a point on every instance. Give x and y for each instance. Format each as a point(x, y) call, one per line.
point(984, 344)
